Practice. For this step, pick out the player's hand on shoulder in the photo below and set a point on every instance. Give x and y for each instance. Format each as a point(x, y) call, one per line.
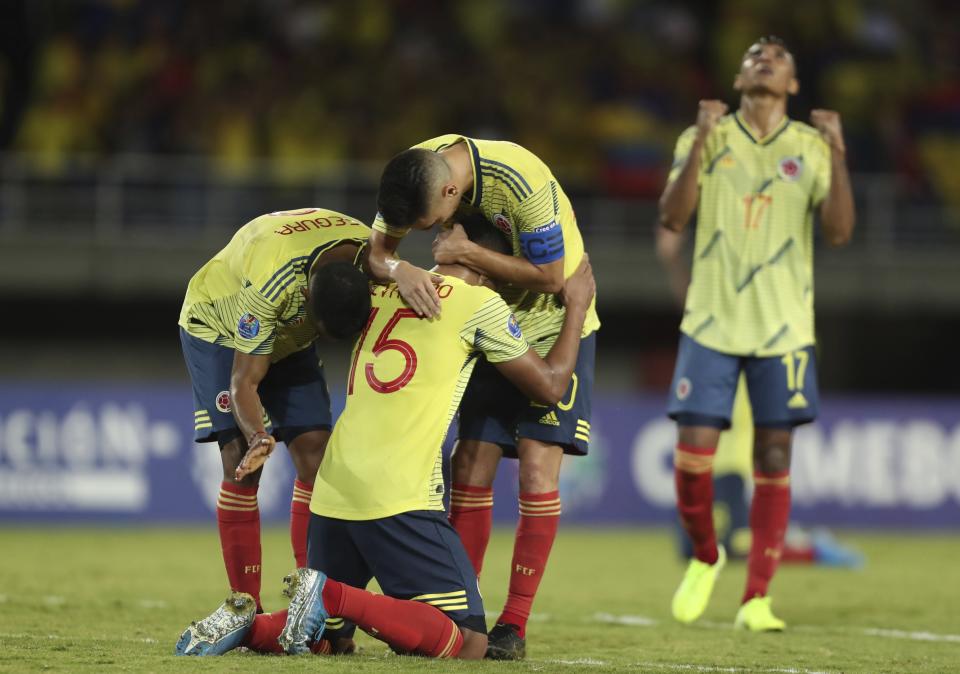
point(708, 115)
point(418, 288)
point(451, 243)
point(579, 289)
point(261, 446)
point(827, 122)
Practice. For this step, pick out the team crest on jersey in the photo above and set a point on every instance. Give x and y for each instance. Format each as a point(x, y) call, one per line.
point(790, 168)
point(683, 388)
point(513, 327)
point(223, 402)
point(249, 326)
point(503, 224)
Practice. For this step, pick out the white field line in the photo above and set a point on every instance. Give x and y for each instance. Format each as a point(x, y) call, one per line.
point(683, 667)
point(884, 633)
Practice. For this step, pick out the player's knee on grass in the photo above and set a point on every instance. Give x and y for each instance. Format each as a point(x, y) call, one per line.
point(771, 450)
point(474, 462)
point(306, 451)
point(232, 451)
point(539, 466)
point(474, 645)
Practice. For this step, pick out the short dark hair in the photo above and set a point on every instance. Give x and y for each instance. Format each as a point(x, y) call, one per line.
point(340, 299)
point(405, 186)
point(484, 233)
point(772, 39)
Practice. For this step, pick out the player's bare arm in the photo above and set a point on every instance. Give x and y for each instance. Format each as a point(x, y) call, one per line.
point(680, 196)
point(417, 286)
point(453, 247)
point(248, 371)
point(545, 380)
point(837, 213)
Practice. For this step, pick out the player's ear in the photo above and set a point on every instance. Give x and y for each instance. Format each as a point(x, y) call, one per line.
point(451, 190)
point(793, 87)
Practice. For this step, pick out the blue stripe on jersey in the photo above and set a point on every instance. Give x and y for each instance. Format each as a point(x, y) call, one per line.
point(279, 290)
point(477, 180)
point(284, 270)
point(283, 280)
point(512, 177)
point(713, 163)
point(544, 245)
point(511, 170)
point(512, 186)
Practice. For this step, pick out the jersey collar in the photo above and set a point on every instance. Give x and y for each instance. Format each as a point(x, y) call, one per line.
point(769, 138)
point(477, 193)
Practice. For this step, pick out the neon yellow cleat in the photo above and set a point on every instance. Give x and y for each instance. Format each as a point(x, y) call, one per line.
point(691, 598)
point(757, 616)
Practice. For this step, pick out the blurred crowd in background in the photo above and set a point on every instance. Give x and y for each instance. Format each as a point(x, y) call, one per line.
point(599, 88)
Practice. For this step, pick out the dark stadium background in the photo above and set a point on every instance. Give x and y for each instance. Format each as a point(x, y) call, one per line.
point(135, 137)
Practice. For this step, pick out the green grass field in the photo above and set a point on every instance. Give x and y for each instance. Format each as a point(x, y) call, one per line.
point(116, 599)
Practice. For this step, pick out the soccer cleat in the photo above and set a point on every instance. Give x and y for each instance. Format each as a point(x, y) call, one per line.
point(505, 643)
point(691, 598)
point(757, 616)
point(221, 631)
point(307, 616)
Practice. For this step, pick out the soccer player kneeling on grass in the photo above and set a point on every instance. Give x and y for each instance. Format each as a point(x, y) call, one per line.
point(377, 510)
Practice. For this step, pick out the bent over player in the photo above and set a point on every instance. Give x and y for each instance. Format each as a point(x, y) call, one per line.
point(378, 506)
point(756, 177)
point(519, 195)
point(247, 327)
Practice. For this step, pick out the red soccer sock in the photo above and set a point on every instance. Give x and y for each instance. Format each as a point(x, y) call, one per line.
point(769, 514)
point(238, 518)
point(299, 520)
point(264, 632)
point(539, 520)
point(471, 514)
point(406, 625)
point(693, 476)
point(266, 629)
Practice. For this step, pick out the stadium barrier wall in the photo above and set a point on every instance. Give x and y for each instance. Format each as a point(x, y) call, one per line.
point(124, 453)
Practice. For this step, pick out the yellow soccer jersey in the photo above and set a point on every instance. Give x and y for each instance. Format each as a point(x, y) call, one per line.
point(250, 295)
point(405, 383)
point(517, 192)
point(751, 291)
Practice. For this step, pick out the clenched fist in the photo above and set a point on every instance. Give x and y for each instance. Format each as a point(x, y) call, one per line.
point(708, 115)
point(827, 122)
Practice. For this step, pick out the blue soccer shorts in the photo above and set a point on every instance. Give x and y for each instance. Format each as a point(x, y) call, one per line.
point(783, 389)
point(293, 393)
point(494, 410)
point(415, 555)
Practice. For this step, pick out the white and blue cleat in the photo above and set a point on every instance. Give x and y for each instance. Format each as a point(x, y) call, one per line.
point(221, 631)
point(306, 616)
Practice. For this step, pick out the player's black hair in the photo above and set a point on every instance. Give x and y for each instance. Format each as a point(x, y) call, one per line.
point(340, 299)
point(484, 233)
point(772, 39)
point(405, 185)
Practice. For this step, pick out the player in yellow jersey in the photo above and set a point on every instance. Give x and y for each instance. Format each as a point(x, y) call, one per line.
point(755, 177)
point(378, 507)
point(247, 327)
point(517, 193)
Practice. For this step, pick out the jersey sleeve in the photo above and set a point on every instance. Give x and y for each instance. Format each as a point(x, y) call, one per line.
point(493, 330)
point(821, 167)
point(538, 225)
point(259, 303)
point(380, 225)
point(680, 153)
